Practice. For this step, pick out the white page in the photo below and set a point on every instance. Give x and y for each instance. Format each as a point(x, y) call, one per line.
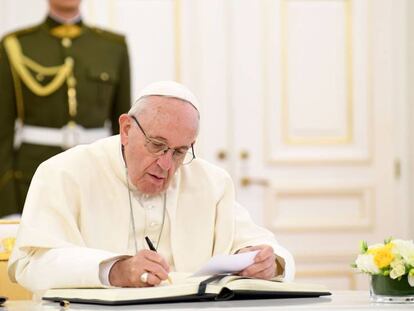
point(227, 263)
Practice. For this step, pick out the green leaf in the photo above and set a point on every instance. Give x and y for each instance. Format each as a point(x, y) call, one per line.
point(363, 246)
point(388, 240)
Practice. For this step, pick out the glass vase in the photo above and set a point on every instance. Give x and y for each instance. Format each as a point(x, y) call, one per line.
point(387, 290)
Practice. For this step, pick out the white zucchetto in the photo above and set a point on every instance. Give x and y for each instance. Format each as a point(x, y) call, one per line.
point(171, 89)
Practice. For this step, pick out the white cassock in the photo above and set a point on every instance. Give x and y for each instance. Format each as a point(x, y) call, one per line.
point(77, 216)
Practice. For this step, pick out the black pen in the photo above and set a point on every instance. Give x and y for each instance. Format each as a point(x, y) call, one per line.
point(151, 247)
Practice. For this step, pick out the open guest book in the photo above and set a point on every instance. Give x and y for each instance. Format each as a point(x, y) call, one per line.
point(190, 288)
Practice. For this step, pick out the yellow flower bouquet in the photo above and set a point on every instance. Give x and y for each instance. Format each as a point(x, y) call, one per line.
point(391, 266)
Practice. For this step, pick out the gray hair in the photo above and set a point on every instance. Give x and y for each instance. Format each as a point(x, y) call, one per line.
point(138, 106)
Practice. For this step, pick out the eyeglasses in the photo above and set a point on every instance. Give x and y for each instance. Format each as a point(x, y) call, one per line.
point(183, 155)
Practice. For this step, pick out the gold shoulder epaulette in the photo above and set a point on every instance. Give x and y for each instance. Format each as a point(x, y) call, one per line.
point(109, 35)
point(22, 32)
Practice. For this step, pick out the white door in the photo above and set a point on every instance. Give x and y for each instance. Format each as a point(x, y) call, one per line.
point(299, 101)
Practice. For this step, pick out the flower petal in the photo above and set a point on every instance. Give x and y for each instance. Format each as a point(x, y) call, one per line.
point(411, 280)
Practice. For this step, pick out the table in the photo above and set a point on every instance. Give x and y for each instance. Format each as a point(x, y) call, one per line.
point(340, 300)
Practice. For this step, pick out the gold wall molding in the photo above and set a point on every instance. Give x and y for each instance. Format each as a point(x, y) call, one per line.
point(9, 222)
point(364, 220)
point(356, 146)
point(301, 140)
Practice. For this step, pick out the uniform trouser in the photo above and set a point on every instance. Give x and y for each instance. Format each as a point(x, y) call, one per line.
point(26, 160)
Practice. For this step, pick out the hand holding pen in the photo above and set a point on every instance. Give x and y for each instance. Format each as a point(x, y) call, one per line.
point(145, 268)
point(151, 247)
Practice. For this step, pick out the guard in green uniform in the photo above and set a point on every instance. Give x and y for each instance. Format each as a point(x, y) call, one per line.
point(60, 85)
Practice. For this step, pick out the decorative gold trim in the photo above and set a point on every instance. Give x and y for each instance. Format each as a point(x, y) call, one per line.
point(265, 38)
point(9, 222)
point(326, 161)
point(228, 15)
point(267, 9)
point(177, 41)
point(366, 209)
point(298, 140)
point(7, 242)
point(21, 63)
point(279, 157)
point(283, 69)
point(370, 86)
point(18, 93)
point(4, 256)
point(349, 72)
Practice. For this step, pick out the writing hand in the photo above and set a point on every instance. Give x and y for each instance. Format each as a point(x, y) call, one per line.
point(127, 272)
point(264, 266)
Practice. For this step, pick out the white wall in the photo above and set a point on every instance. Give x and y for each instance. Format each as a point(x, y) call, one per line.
point(20, 13)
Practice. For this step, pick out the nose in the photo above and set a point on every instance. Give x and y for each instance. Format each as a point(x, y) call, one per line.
point(165, 161)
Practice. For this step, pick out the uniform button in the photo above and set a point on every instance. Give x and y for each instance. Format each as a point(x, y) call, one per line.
point(66, 42)
point(153, 224)
point(69, 60)
point(104, 76)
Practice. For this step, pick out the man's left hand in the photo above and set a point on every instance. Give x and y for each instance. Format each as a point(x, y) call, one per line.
point(264, 266)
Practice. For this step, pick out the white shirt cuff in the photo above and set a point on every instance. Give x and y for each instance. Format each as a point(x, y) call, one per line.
point(105, 267)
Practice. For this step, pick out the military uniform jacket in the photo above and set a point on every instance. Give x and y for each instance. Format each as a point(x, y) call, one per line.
point(101, 81)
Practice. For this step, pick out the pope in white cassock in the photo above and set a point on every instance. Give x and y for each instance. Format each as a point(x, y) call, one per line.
point(90, 208)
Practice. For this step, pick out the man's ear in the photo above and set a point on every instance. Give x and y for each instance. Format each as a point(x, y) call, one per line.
point(124, 126)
